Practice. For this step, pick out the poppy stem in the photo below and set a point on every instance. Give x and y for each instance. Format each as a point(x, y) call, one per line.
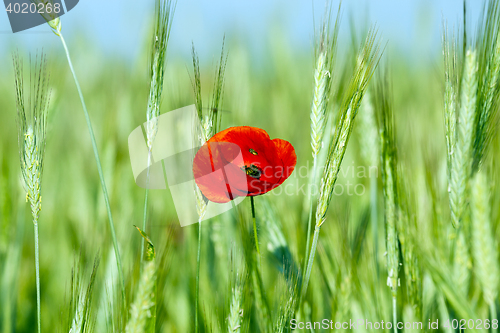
point(260, 298)
point(255, 226)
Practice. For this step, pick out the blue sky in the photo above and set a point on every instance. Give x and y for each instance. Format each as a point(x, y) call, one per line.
point(118, 27)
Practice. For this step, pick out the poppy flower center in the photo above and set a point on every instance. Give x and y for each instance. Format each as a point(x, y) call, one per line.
point(252, 171)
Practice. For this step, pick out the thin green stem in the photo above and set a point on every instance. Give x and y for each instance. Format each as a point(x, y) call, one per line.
point(145, 215)
point(493, 310)
point(99, 169)
point(197, 293)
point(37, 273)
point(261, 299)
point(394, 314)
point(311, 260)
point(374, 219)
point(310, 198)
point(255, 227)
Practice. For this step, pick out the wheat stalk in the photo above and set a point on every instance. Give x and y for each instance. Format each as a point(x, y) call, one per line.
point(31, 119)
point(163, 21)
point(55, 25)
point(367, 60)
point(326, 47)
point(485, 251)
point(157, 63)
point(461, 156)
point(144, 306)
point(488, 48)
point(81, 301)
point(140, 309)
point(470, 125)
point(450, 95)
point(286, 307)
point(390, 189)
point(235, 308)
point(406, 229)
point(475, 120)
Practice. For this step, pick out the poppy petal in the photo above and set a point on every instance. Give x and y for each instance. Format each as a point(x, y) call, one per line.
point(286, 153)
point(216, 172)
point(242, 161)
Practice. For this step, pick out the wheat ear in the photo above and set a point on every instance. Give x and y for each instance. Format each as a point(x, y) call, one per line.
point(485, 251)
point(461, 156)
point(31, 119)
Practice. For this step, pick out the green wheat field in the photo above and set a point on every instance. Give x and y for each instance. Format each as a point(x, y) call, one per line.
point(390, 221)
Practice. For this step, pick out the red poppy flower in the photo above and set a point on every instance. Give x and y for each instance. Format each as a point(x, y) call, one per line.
point(242, 161)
